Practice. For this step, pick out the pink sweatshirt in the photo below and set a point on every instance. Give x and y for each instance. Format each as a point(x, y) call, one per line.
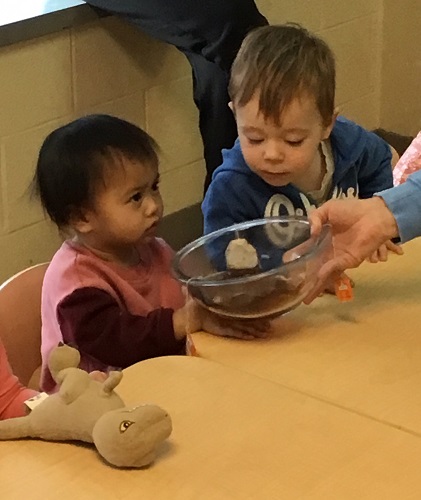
point(12, 393)
point(115, 315)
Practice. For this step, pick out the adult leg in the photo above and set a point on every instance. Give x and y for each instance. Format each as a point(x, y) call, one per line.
point(209, 33)
point(216, 121)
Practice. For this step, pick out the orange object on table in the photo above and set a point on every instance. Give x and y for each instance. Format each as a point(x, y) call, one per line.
point(343, 289)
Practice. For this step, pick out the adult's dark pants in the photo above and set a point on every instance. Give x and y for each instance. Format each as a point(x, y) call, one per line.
point(209, 33)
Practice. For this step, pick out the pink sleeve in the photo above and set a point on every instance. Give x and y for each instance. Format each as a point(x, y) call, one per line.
point(12, 392)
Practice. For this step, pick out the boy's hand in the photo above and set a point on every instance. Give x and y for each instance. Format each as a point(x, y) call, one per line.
point(380, 255)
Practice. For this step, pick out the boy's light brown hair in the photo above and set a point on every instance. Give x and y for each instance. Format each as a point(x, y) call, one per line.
point(280, 63)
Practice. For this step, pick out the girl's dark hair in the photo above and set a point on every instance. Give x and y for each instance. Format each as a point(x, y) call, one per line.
point(73, 158)
point(281, 62)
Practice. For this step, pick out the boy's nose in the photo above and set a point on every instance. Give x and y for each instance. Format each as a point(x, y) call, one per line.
point(274, 151)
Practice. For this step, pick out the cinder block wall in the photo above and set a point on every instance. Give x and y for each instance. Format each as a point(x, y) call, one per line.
point(401, 69)
point(110, 67)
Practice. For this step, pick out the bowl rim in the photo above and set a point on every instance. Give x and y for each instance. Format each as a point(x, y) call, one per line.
point(186, 280)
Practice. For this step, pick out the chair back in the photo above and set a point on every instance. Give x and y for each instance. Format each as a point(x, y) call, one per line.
point(20, 322)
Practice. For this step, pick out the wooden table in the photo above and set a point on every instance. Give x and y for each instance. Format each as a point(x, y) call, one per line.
point(364, 356)
point(236, 436)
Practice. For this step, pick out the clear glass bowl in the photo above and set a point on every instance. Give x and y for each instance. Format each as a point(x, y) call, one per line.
point(288, 262)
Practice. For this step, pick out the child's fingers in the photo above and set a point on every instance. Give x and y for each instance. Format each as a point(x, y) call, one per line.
point(259, 325)
point(255, 327)
point(98, 376)
point(248, 329)
point(240, 329)
point(234, 333)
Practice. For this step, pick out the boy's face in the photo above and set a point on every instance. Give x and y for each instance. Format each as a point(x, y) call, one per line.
point(127, 208)
point(285, 153)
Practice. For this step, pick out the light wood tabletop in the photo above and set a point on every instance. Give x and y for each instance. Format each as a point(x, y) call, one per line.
point(236, 436)
point(363, 355)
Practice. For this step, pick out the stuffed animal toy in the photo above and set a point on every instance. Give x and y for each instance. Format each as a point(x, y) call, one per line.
point(87, 410)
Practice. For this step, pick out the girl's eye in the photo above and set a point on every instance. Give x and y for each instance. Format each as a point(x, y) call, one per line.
point(155, 186)
point(136, 197)
point(254, 141)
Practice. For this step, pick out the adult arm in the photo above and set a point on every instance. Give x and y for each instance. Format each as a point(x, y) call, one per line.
point(404, 202)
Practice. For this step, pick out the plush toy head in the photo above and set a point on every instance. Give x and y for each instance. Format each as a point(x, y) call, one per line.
point(87, 410)
point(127, 437)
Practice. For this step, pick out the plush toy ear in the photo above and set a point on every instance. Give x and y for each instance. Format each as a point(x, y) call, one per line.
point(130, 437)
point(61, 357)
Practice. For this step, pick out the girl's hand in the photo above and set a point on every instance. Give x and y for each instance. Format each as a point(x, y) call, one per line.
point(193, 318)
point(240, 329)
point(98, 376)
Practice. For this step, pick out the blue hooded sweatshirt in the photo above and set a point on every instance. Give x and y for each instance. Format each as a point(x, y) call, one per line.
point(362, 167)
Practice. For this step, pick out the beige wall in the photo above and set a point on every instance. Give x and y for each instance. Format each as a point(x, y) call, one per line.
point(401, 71)
point(109, 67)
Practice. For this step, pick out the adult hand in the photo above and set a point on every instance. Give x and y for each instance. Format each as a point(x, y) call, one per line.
point(380, 255)
point(359, 227)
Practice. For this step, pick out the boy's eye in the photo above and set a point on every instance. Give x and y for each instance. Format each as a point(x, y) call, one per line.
point(295, 143)
point(155, 186)
point(136, 197)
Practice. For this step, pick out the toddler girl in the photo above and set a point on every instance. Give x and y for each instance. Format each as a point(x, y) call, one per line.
point(109, 288)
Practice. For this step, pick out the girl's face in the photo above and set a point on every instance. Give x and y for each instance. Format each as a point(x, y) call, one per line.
point(285, 153)
point(126, 211)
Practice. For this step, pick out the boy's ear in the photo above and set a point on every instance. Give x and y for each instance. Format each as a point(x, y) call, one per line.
point(329, 128)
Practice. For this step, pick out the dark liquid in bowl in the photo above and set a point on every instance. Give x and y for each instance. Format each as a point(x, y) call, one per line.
point(271, 295)
point(233, 273)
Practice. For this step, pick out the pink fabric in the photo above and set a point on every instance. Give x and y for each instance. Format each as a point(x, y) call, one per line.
point(12, 392)
point(139, 290)
point(409, 162)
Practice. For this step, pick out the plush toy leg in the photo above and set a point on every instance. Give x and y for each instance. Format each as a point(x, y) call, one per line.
point(15, 428)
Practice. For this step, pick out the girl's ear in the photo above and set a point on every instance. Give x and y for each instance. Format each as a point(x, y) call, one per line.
point(81, 221)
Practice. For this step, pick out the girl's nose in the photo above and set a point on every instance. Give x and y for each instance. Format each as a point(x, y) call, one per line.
point(151, 204)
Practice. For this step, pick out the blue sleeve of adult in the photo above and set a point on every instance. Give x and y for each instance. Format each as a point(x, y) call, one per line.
point(404, 201)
